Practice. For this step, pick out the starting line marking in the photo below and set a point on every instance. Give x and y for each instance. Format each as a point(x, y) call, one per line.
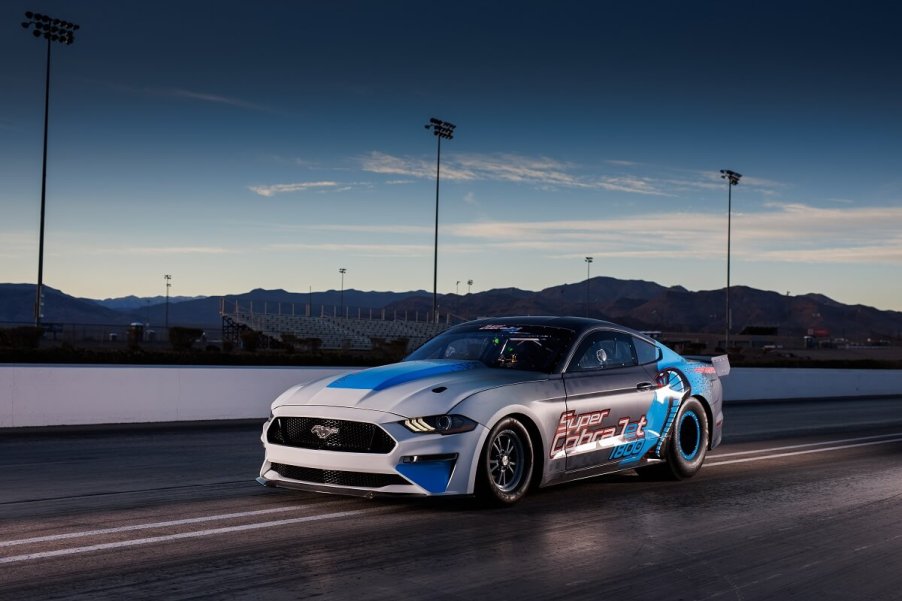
point(102, 531)
point(810, 444)
point(183, 535)
point(806, 452)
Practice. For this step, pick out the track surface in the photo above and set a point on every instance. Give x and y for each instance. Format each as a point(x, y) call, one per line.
point(803, 501)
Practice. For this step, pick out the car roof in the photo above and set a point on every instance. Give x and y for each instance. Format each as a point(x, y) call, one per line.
point(577, 324)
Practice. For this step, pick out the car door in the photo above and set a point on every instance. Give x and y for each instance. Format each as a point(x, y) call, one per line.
point(608, 395)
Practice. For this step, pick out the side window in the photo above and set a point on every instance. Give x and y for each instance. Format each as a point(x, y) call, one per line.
point(604, 350)
point(646, 352)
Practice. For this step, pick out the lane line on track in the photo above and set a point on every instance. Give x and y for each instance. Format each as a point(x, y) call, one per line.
point(102, 531)
point(181, 536)
point(800, 446)
point(807, 452)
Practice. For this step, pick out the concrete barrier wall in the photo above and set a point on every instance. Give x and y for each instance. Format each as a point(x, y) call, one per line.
point(751, 383)
point(51, 395)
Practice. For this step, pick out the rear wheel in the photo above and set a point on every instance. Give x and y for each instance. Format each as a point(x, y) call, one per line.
point(506, 464)
point(687, 445)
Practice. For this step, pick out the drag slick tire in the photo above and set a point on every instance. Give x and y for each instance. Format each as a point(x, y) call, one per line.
point(687, 446)
point(506, 464)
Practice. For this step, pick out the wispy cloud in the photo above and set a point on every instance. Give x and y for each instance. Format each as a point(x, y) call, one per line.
point(367, 250)
point(272, 190)
point(783, 233)
point(540, 171)
point(167, 250)
point(386, 164)
point(213, 98)
point(372, 229)
point(185, 94)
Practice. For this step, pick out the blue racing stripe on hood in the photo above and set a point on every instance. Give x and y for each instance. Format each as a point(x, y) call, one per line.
point(386, 376)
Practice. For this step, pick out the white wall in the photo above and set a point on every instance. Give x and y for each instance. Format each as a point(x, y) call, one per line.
point(750, 383)
point(50, 395)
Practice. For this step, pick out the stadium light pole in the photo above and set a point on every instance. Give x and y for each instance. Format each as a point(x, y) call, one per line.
point(732, 179)
point(168, 279)
point(469, 284)
point(440, 129)
point(342, 271)
point(52, 30)
point(588, 266)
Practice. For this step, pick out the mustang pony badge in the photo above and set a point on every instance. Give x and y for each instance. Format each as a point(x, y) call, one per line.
point(323, 432)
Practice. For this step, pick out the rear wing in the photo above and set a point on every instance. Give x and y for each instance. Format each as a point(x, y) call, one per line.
point(720, 363)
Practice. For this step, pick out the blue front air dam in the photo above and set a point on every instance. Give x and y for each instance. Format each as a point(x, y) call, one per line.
point(386, 376)
point(432, 475)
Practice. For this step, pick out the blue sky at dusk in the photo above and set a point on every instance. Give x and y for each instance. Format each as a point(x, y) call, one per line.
point(238, 145)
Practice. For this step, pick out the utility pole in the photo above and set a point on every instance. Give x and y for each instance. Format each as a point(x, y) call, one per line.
point(52, 30)
point(732, 179)
point(440, 129)
point(168, 279)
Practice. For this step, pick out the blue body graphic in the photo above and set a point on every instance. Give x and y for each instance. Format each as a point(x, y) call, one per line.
point(386, 376)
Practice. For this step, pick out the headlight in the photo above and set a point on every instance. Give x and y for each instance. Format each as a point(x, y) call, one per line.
point(439, 424)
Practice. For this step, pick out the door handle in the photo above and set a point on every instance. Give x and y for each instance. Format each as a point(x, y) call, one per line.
point(643, 386)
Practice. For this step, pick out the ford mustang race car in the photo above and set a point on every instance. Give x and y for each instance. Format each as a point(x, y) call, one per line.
point(494, 406)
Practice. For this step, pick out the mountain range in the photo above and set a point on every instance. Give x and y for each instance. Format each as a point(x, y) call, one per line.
point(636, 303)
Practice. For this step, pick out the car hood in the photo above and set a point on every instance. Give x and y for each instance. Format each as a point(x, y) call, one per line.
point(407, 389)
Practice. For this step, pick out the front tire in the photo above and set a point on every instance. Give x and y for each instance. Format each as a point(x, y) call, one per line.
point(506, 464)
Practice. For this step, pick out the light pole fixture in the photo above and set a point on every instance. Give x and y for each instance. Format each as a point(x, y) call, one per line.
point(732, 179)
point(168, 279)
point(440, 129)
point(52, 30)
point(588, 266)
point(342, 271)
point(457, 288)
point(469, 284)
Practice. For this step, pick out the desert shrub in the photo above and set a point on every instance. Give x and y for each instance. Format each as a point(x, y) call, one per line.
point(182, 339)
point(21, 337)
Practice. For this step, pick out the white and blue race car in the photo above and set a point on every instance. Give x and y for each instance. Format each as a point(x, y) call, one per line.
point(495, 406)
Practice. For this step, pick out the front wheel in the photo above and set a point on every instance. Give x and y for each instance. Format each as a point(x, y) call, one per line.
point(506, 464)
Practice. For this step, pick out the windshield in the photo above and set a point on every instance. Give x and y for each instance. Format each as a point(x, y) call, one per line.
point(529, 348)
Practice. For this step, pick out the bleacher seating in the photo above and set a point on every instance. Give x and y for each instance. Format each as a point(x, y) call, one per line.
point(338, 333)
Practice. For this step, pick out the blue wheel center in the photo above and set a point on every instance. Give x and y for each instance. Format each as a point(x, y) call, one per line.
point(690, 435)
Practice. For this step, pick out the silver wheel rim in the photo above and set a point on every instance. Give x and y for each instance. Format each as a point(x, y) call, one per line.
point(506, 461)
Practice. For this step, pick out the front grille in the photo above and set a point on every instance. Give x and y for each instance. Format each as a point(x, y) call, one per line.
point(317, 476)
point(349, 437)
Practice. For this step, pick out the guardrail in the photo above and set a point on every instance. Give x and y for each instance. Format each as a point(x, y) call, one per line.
point(52, 395)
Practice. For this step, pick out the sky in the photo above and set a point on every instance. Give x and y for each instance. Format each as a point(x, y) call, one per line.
point(238, 145)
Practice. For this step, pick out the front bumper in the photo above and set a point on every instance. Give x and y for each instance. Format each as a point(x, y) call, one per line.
point(418, 465)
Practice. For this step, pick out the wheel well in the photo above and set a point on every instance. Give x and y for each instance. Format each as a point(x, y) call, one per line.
point(538, 450)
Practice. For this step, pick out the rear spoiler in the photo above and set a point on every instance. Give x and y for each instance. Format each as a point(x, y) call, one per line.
point(720, 363)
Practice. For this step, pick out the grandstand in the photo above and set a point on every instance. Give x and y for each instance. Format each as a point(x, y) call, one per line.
point(333, 333)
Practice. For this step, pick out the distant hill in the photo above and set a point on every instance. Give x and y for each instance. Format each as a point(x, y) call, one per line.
point(17, 305)
point(636, 303)
point(136, 303)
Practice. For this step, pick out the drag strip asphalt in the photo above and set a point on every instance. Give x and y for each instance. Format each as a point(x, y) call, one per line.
point(813, 512)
